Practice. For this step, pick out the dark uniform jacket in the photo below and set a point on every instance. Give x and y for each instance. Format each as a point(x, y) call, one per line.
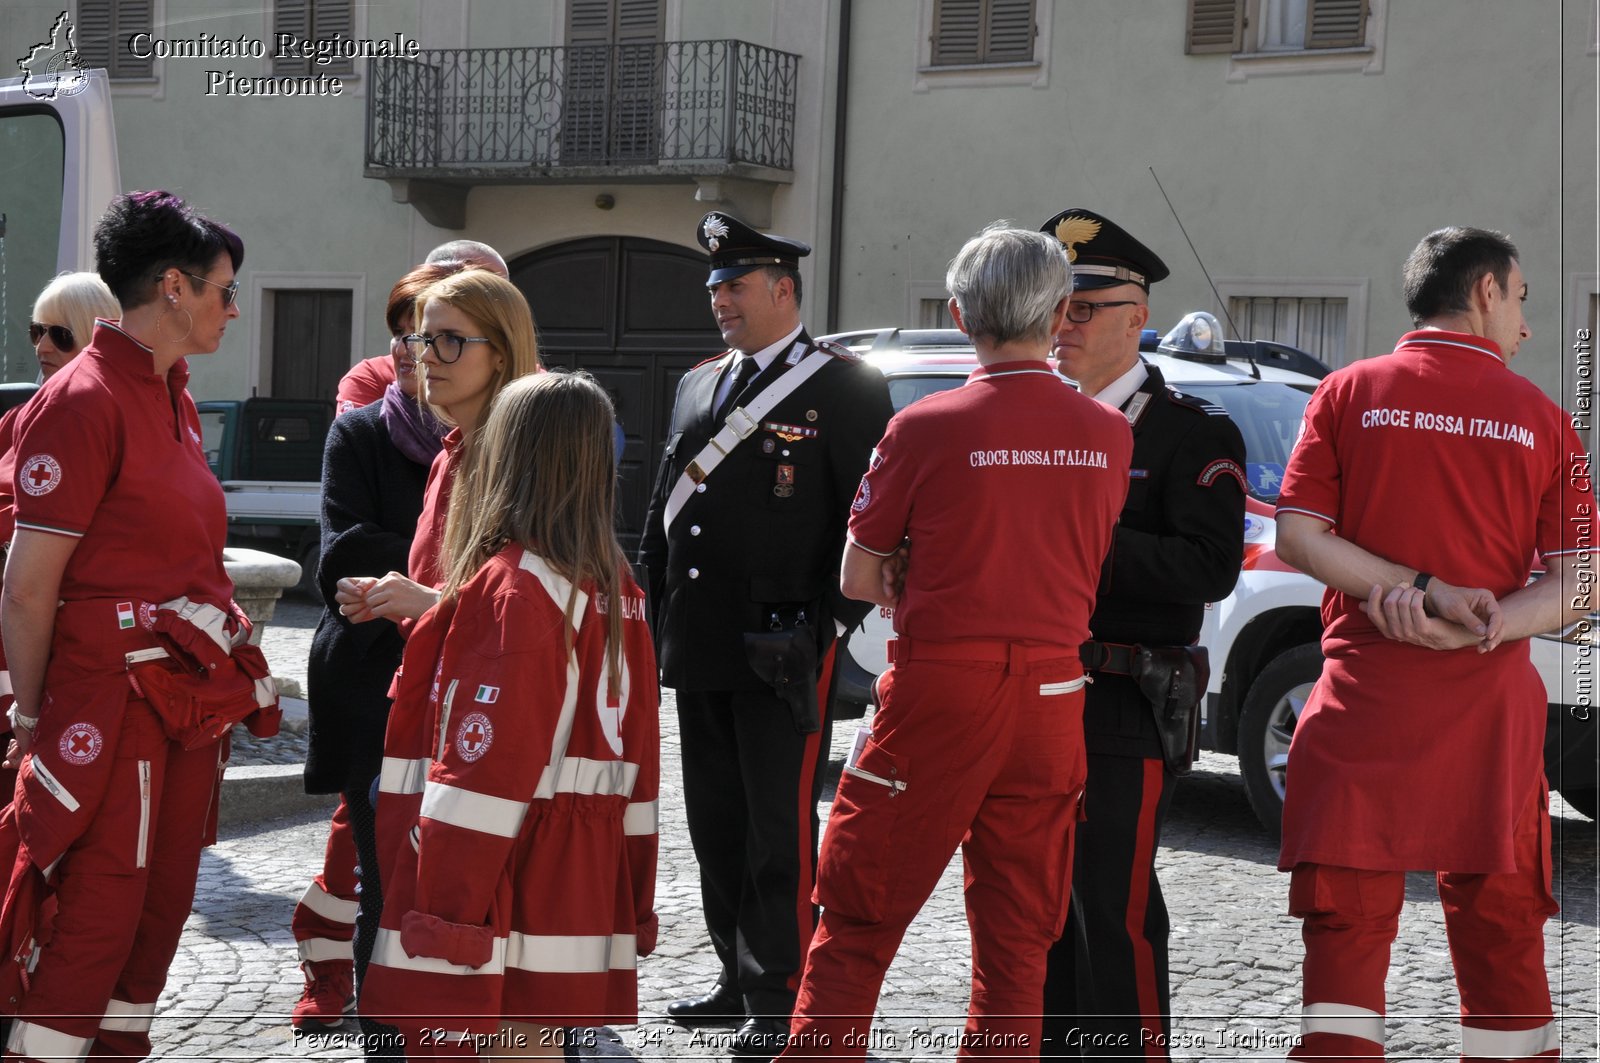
point(747, 545)
point(1178, 545)
point(371, 499)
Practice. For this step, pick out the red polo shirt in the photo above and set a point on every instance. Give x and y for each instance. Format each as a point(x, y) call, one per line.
point(109, 453)
point(1441, 458)
point(1008, 489)
point(364, 384)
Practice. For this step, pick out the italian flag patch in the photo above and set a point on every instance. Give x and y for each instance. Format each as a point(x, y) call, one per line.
point(487, 694)
point(124, 616)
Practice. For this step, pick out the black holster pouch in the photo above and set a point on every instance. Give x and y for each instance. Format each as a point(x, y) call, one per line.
point(785, 657)
point(1173, 680)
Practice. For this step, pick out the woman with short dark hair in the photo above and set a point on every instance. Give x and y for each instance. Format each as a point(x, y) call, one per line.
point(129, 659)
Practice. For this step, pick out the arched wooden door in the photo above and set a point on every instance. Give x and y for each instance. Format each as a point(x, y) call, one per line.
point(635, 314)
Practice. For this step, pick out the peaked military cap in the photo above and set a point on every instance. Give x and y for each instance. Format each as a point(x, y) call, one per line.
point(1102, 253)
point(736, 248)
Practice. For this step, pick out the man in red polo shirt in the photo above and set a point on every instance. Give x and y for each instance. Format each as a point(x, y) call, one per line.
point(983, 519)
point(1421, 745)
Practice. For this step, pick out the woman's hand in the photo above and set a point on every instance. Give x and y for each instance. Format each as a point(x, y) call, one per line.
point(21, 742)
point(393, 597)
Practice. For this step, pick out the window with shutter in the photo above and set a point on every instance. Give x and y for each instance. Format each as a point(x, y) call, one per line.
point(1250, 27)
point(311, 20)
point(972, 32)
point(103, 28)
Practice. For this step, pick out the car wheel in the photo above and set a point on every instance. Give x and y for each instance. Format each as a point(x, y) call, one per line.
point(1266, 725)
point(309, 556)
point(1581, 800)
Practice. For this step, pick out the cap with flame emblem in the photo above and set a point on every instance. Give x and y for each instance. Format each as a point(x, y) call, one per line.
point(1102, 253)
point(736, 248)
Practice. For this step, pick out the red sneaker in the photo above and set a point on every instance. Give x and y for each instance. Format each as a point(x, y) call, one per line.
point(329, 996)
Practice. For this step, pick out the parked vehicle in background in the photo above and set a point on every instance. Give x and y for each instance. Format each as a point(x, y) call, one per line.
point(268, 455)
point(1265, 637)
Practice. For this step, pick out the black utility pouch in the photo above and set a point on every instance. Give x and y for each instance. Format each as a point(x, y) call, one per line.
point(1173, 680)
point(785, 657)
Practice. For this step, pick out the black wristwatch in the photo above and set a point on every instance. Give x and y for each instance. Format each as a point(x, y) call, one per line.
point(1421, 584)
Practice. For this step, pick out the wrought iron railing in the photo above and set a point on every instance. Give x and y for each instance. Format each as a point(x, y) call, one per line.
point(499, 111)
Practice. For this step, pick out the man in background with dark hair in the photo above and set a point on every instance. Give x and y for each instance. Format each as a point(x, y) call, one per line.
point(1422, 484)
point(741, 546)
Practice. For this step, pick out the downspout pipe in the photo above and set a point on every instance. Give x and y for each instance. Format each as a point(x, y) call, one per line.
point(841, 108)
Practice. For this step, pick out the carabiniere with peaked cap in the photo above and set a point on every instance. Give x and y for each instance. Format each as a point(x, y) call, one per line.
point(736, 248)
point(1102, 253)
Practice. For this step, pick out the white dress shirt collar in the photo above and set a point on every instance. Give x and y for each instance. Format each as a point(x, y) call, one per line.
point(1119, 391)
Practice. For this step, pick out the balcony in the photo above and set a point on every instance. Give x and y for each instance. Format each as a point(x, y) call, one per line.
point(720, 114)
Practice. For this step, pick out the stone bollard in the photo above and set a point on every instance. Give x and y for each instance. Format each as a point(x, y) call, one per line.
point(259, 580)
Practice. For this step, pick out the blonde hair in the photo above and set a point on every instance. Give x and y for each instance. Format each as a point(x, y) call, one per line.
point(500, 311)
point(543, 475)
point(75, 300)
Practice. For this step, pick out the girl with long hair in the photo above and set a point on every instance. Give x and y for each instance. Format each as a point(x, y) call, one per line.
point(524, 889)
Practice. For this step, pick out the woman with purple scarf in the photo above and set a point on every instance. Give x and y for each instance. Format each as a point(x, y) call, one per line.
point(374, 470)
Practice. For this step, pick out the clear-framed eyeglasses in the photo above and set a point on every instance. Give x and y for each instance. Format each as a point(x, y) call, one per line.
point(446, 345)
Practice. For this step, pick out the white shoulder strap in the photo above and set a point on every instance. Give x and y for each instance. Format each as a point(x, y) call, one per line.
point(740, 424)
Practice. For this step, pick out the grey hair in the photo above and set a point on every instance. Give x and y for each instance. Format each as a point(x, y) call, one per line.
point(1008, 282)
point(469, 253)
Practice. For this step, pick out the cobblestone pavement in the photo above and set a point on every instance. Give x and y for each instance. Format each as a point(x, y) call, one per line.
point(1235, 954)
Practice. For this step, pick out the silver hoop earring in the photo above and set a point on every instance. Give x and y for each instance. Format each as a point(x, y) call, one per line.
point(186, 331)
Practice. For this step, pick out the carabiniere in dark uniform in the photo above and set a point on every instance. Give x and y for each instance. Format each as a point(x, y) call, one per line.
point(742, 561)
point(1178, 545)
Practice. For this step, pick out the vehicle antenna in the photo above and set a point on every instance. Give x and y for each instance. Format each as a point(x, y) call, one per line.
point(1254, 371)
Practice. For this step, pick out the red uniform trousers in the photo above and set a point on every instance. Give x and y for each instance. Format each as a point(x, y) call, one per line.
point(324, 922)
point(1495, 924)
point(124, 890)
point(981, 754)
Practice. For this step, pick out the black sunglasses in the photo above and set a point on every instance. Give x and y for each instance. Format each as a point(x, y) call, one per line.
point(60, 335)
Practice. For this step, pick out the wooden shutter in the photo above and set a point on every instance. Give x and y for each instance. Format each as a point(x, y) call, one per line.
point(1336, 24)
point(330, 17)
point(957, 31)
point(133, 16)
point(1214, 26)
point(94, 26)
point(982, 31)
point(291, 17)
point(1009, 31)
point(638, 21)
point(589, 21)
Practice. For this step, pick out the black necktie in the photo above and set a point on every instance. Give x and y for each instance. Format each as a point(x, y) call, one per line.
point(743, 373)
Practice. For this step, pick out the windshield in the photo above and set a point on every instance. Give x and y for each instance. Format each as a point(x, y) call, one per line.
point(1268, 415)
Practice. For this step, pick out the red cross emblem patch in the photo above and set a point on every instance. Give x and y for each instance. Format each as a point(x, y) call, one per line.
point(39, 475)
point(474, 736)
point(81, 743)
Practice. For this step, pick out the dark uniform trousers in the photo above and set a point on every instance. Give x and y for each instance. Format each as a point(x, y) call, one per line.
point(1178, 545)
point(757, 546)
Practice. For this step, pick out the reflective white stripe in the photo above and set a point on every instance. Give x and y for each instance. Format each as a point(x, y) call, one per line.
point(642, 817)
point(143, 849)
point(557, 586)
point(388, 951)
point(580, 775)
point(124, 1017)
point(318, 950)
point(266, 692)
point(1509, 1044)
point(328, 906)
point(5, 682)
point(40, 1042)
point(570, 954)
point(207, 619)
point(550, 778)
point(473, 811)
point(61, 793)
point(1049, 689)
point(402, 776)
point(1346, 1019)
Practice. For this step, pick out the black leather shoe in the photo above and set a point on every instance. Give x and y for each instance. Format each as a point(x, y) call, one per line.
point(760, 1038)
point(720, 1007)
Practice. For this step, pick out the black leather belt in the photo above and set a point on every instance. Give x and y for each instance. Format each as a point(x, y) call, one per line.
point(1114, 658)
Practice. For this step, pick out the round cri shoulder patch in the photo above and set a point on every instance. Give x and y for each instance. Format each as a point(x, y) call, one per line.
point(81, 743)
point(863, 496)
point(474, 736)
point(39, 475)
